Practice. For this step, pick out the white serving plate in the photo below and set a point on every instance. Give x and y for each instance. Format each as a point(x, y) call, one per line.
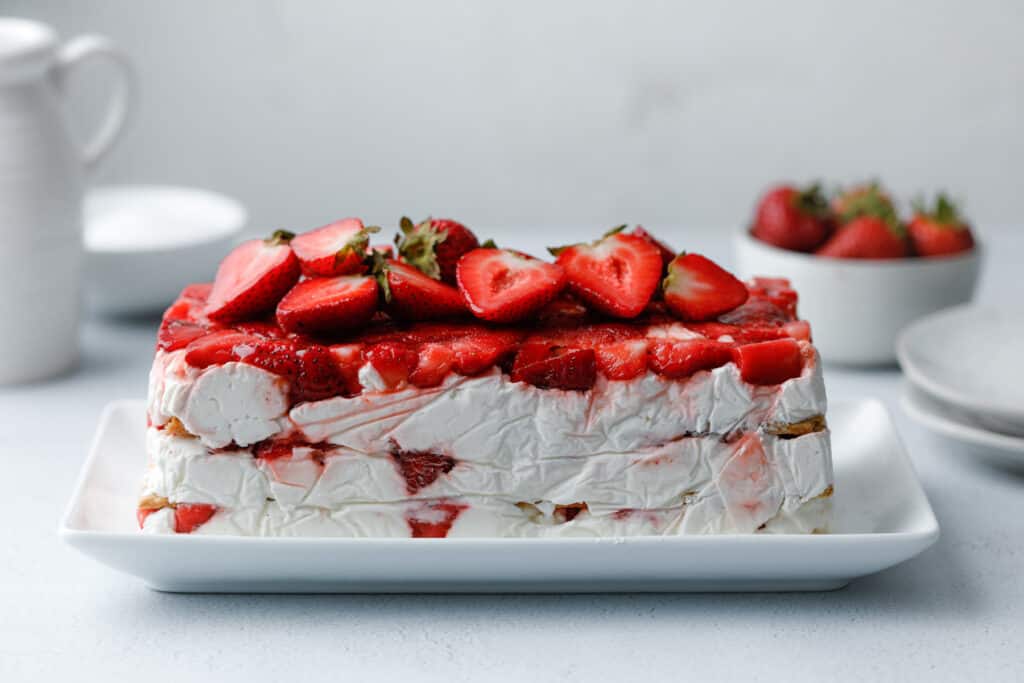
point(1001, 449)
point(969, 358)
point(882, 518)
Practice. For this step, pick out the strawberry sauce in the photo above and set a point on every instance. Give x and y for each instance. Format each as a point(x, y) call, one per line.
point(434, 520)
point(567, 348)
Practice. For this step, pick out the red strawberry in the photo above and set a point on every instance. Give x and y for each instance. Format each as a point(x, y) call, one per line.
point(867, 237)
point(792, 218)
point(555, 367)
point(217, 348)
point(411, 295)
point(667, 252)
point(481, 350)
point(622, 360)
point(253, 278)
point(435, 362)
point(279, 356)
point(335, 249)
point(436, 520)
point(435, 246)
point(393, 361)
point(190, 516)
point(939, 231)
point(616, 275)
point(697, 288)
point(503, 286)
point(328, 304)
point(678, 359)
point(421, 469)
point(141, 514)
point(868, 199)
point(770, 362)
point(177, 334)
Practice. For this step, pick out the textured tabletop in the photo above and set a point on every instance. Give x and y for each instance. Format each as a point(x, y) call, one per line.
point(952, 613)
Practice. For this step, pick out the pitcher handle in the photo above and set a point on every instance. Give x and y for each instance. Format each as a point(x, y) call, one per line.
point(82, 49)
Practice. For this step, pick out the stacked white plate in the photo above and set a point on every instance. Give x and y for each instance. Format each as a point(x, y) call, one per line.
point(965, 379)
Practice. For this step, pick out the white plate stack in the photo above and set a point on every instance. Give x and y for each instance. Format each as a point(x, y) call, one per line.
point(965, 379)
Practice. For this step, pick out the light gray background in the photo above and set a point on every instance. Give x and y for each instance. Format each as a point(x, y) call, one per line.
point(546, 113)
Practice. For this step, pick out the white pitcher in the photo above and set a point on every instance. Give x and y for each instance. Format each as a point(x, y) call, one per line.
point(42, 177)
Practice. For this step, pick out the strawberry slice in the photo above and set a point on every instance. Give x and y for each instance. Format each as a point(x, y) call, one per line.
point(328, 304)
point(253, 278)
point(190, 516)
point(335, 249)
point(393, 361)
point(617, 275)
point(218, 348)
point(177, 334)
point(677, 359)
point(482, 349)
point(555, 367)
point(697, 288)
point(667, 252)
point(770, 362)
point(435, 246)
point(411, 295)
point(504, 286)
point(622, 360)
point(420, 469)
point(435, 362)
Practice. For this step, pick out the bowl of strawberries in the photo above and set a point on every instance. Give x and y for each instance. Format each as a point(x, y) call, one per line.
point(863, 271)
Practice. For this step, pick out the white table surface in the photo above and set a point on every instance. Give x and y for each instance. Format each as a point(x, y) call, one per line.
point(954, 613)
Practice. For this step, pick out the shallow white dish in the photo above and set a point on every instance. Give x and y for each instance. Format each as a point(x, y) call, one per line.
point(969, 357)
point(1002, 449)
point(143, 242)
point(882, 518)
point(858, 307)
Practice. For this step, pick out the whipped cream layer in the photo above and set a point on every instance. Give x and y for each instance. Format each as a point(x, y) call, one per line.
point(740, 484)
point(485, 417)
point(478, 518)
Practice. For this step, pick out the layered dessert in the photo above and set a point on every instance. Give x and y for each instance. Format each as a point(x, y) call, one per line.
point(323, 387)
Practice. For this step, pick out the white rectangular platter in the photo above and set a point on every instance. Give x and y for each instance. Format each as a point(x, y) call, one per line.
point(882, 518)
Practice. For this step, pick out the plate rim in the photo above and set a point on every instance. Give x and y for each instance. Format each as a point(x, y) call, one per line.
point(955, 429)
point(937, 389)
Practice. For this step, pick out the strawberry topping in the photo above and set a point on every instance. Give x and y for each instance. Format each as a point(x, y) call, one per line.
point(697, 288)
point(434, 520)
point(394, 362)
point(770, 362)
point(328, 304)
point(435, 246)
point(504, 286)
point(555, 367)
point(677, 359)
point(253, 278)
point(410, 295)
point(335, 249)
point(616, 275)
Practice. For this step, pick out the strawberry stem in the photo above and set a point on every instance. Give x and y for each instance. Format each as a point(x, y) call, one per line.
point(279, 237)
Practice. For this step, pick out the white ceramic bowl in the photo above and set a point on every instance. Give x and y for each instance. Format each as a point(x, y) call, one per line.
point(145, 242)
point(857, 307)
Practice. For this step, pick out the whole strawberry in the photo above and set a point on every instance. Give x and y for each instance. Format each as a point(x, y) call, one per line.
point(435, 246)
point(941, 230)
point(868, 199)
point(793, 218)
point(867, 237)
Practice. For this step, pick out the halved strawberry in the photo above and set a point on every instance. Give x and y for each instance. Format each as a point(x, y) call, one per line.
point(677, 359)
point(770, 362)
point(697, 288)
point(616, 275)
point(868, 237)
point(253, 278)
point(555, 367)
point(667, 252)
point(435, 362)
point(328, 304)
point(411, 295)
point(482, 349)
point(190, 516)
point(622, 360)
point(335, 249)
point(177, 334)
point(218, 348)
point(393, 361)
point(941, 230)
point(435, 246)
point(504, 286)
